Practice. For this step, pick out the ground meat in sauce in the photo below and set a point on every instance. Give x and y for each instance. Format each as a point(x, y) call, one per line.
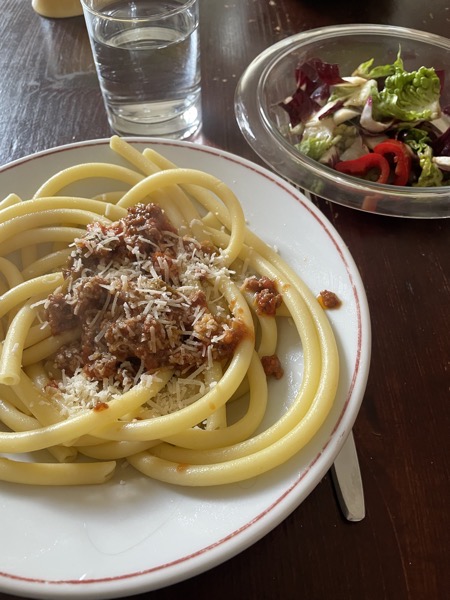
point(122, 290)
point(60, 314)
point(272, 366)
point(267, 298)
point(328, 300)
point(144, 230)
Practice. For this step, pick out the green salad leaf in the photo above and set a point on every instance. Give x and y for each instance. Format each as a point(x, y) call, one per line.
point(315, 146)
point(430, 175)
point(318, 138)
point(365, 69)
point(409, 96)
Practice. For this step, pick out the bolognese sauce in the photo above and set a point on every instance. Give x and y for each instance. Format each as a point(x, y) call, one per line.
point(267, 298)
point(266, 301)
point(328, 300)
point(135, 289)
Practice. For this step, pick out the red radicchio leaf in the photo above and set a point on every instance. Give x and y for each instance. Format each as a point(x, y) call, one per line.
point(335, 107)
point(327, 72)
point(313, 78)
point(321, 93)
point(299, 107)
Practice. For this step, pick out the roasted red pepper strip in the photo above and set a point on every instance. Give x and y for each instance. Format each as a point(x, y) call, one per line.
point(401, 157)
point(359, 167)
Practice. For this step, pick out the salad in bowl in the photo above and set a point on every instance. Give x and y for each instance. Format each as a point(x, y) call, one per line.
point(376, 94)
point(382, 123)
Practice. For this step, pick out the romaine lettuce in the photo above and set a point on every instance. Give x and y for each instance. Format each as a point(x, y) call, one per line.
point(409, 96)
point(430, 175)
point(319, 136)
point(365, 69)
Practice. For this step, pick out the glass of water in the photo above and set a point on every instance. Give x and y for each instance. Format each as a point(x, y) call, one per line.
point(147, 56)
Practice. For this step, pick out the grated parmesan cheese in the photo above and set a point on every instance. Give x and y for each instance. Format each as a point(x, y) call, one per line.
point(145, 298)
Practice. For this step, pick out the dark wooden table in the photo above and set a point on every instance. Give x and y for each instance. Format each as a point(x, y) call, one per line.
point(49, 96)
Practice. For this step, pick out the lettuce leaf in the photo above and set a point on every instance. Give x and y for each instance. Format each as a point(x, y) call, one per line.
point(365, 69)
point(409, 96)
point(320, 136)
point(430, 174)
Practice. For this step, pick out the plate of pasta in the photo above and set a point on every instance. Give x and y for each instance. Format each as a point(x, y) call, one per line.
point(185, 347)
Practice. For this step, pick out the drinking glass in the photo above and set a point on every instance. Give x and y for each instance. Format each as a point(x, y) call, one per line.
point(147, 56)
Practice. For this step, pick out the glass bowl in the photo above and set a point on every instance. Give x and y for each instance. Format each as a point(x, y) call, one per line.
point(270, 79)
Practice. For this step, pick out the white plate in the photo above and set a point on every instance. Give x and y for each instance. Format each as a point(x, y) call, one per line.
point(133, 534)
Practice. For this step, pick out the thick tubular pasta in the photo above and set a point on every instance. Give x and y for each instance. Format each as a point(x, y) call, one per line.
point(79, 172)
point(46, 211)
point(41, 235)
point(86, 422)
point(10, 272)
point(28, 289)
point(47, 347)
point(15, 419)
point(11, 357)
point(115, 450)
point(29, 255)
point(47, 263)
point(55, 474)
point(18, 421)
point(141, 325)
point(205, 439)
point(10, 200)
point(178, 198)
point(192, 177)
point(37, 333)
